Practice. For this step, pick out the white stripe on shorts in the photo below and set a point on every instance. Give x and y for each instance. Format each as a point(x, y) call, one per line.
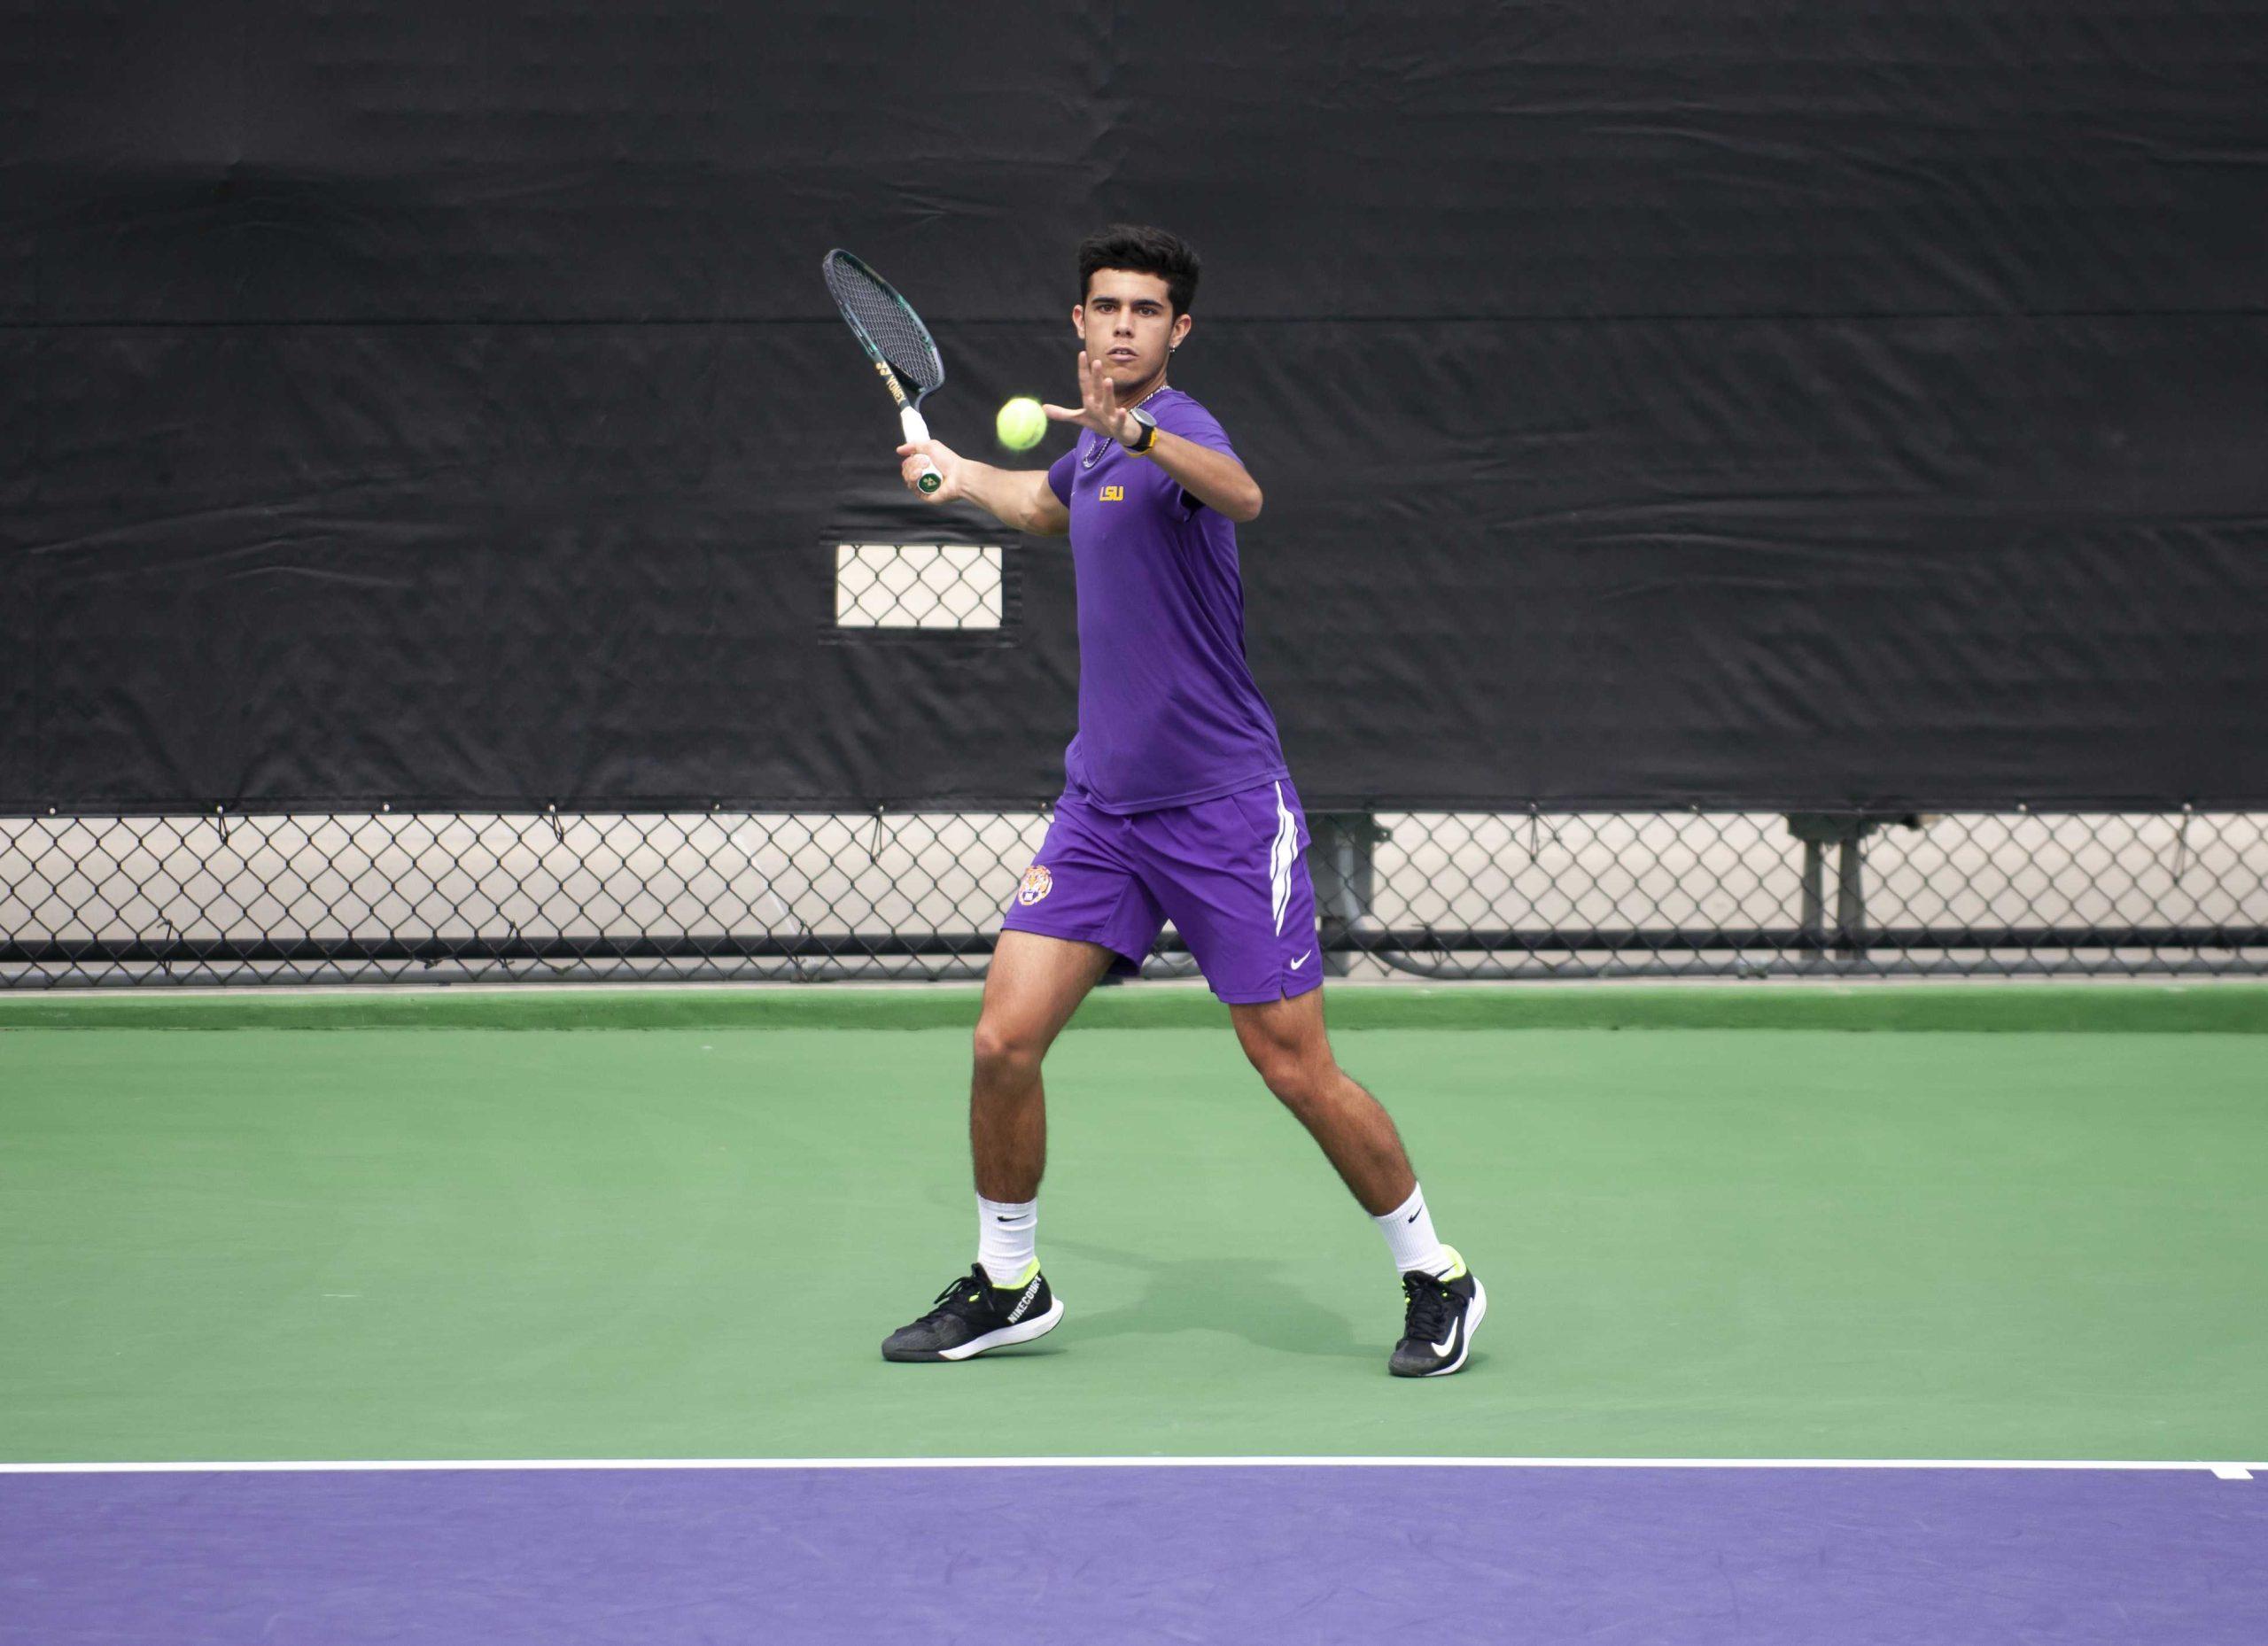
point(1281, 855)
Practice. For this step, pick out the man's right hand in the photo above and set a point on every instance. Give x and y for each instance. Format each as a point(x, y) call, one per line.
point(1019, 498)
point(946, 461)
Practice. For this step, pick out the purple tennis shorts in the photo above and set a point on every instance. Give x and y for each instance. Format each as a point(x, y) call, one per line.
point(1231, 874)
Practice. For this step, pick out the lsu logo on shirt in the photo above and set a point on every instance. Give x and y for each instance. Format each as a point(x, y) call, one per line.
point(1114, 494)
point(1037, 883)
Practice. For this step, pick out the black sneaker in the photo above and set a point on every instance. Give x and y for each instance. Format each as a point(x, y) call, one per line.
point(972, 1315)
point(1444, 1313)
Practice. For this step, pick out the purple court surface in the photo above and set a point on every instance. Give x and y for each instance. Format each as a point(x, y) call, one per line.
point(1232, 1553)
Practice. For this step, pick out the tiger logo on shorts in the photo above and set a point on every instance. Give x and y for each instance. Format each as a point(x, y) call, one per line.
point(1037, 883)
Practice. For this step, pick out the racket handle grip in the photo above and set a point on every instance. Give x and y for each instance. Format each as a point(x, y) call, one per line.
point(928, 480)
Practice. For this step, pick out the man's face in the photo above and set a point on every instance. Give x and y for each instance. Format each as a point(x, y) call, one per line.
point(1127, 323)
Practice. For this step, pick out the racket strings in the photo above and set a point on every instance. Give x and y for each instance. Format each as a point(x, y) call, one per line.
point(880, 316)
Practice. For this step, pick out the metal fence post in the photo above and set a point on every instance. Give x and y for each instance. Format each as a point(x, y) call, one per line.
point(1343, 860)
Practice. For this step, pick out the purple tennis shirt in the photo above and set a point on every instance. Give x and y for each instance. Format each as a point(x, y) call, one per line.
point(1169, 713)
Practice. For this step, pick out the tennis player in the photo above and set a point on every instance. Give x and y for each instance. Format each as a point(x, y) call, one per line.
point(1177, 805)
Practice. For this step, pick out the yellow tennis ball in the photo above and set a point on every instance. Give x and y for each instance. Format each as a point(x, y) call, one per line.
point(1021, 424)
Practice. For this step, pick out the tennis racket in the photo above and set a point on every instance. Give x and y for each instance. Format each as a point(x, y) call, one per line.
point(893, 338)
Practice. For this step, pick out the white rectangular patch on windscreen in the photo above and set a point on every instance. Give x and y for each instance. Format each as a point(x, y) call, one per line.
point(917, 585)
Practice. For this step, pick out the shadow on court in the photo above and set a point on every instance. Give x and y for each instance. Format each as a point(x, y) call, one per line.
point(1247, 1299)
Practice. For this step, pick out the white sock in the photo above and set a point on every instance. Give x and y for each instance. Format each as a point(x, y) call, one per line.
point(1408, 1231)
point(1007, 1239)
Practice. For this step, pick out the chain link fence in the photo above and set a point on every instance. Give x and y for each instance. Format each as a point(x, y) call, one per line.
point(720, 894)
point(713, 896)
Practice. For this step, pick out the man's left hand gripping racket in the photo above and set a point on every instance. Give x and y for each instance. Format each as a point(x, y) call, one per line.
point(893, 338)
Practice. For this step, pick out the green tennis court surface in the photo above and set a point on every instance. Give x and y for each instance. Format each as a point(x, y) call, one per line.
point(2016, 1223)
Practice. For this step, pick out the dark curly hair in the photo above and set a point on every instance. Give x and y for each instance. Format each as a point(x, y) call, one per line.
point(1146, 251)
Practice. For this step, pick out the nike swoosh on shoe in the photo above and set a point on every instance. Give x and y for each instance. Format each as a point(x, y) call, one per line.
point(1448, 1345)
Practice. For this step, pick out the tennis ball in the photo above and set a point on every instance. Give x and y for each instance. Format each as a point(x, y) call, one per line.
point(1020, 424)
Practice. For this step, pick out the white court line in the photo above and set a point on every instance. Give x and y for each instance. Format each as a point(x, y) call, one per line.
point(2220, 1470)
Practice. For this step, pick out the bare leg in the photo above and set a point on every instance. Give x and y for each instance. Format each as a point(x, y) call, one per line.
point(1033, 986)
point(1286, 1043)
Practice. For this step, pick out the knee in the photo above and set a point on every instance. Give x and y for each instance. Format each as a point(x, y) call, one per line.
point(1004, 1054)
point(1300, 1084)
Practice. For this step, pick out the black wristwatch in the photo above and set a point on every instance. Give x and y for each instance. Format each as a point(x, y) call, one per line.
point(1148, 437)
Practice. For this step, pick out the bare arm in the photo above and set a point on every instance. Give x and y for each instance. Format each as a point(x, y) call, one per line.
point(1020, 499)
point(1214, 478)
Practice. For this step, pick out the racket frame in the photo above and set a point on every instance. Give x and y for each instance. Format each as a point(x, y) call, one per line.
point(910, 421)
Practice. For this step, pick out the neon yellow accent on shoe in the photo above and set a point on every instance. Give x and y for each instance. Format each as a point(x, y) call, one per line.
point(1019, 1282)
point(1456, 1272)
